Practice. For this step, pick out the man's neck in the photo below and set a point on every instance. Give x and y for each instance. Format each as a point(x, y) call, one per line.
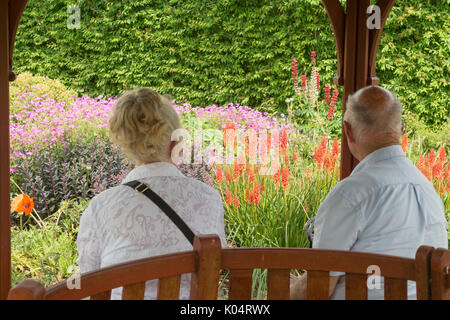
point(367, 151)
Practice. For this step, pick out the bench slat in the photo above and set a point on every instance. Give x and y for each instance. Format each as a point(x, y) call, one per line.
point(169, 288)
point(278, 284)
point(355, 286)
point(134, 291)
point(317, 285)
point(395, 289)
point(240, 284)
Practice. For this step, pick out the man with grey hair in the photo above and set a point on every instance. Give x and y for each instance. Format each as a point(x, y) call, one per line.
point(386, 206)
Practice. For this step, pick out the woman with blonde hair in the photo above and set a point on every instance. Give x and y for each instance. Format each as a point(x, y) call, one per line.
point(122, 224)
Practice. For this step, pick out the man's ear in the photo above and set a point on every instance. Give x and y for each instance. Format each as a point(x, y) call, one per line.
point(348, 131)
point(403, 126)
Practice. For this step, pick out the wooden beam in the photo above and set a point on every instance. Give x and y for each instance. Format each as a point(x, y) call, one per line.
point(5, 228)
point(15, 11)
point(375, 37)
point(350, 56)
point(336, 14)
point(356, 48)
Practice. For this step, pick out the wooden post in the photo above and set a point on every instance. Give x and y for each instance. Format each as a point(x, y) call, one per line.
point(205, 282)
point(5, 228)
point(356, 48)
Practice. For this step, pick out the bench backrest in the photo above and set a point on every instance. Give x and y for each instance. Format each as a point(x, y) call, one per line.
point(207, 260)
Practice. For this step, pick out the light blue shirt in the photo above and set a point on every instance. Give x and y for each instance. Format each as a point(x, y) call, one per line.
point(386, 206)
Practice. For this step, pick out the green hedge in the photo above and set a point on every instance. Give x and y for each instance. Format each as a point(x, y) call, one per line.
point(220, 51)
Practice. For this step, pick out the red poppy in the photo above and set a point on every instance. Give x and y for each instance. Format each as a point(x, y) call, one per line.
point(22, 203)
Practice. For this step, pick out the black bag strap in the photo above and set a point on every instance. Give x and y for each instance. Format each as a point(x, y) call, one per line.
point(145, 190)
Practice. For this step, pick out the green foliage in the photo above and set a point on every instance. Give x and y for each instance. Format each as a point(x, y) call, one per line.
point(429, 138)
point(47, 254)
point(72, 169)
point(28, 87)
point(220, 51)
point(413, 57)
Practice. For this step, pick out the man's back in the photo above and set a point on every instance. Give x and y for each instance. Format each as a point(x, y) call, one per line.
point(385, 206)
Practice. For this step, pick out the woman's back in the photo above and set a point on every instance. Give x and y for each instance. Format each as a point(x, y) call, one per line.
point(121, 224)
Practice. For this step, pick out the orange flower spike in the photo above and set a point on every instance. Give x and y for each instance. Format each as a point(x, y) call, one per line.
point(286, 158)
point(308, 174)
point(324, 142)
point(441, 189)
point(22, 203)
point(442, 155)
point(438, 171)
point(276, 176)
point(248, 197)
point(236, 202)
point(447, 172)
point(256, 194)
point(404, 143)
point(229, 126)
point(228, 176)
point(251, 177)
point(283, 139)
point(228, 198)
point(294, 157)
point(319, 156)
point(335, 150)
point(236, 172)
point(285, 177)
point(432, 157)
point(219, 174)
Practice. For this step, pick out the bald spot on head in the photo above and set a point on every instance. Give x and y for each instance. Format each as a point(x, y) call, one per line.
point(376, 98)
point(375, 114)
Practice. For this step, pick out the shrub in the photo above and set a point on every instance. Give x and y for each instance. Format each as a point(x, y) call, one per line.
point(71, 169)
point(221, 51)
point(47, 254)
point(27, 87)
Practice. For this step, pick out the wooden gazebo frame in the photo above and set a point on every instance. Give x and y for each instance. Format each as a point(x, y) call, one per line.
point(356, 48)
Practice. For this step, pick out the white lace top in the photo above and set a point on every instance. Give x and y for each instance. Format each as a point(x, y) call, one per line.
point(121, 224)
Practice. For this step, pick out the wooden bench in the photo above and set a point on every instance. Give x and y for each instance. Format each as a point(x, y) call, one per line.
point(429, 270)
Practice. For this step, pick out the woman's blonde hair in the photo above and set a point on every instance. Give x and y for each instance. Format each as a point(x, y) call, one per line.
point(142, 125)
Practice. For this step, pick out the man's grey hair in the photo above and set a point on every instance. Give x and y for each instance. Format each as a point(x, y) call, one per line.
point(381, 116)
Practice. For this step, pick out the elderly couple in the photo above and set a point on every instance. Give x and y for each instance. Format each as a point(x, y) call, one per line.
point(385, 206)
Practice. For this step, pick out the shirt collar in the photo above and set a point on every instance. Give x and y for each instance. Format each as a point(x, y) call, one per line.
point(155, 169)
point(378, 155)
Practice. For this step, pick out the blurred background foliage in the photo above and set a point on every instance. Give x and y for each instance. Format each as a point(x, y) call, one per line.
point(220, 51)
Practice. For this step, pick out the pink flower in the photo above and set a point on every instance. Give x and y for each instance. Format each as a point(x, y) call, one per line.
point(333, 104)
point(295, 75)
point(327, 94)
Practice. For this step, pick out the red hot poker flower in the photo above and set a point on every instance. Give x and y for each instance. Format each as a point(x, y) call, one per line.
point(285, 177)
point(442, 154)
point(228, 198)
point(405, 143)
point(219, 174)
point(432, 156)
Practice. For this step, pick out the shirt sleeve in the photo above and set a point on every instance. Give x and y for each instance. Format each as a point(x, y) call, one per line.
point(337, 224)
point(88, 244)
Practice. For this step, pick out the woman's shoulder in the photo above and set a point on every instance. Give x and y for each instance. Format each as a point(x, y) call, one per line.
point(197, 184)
